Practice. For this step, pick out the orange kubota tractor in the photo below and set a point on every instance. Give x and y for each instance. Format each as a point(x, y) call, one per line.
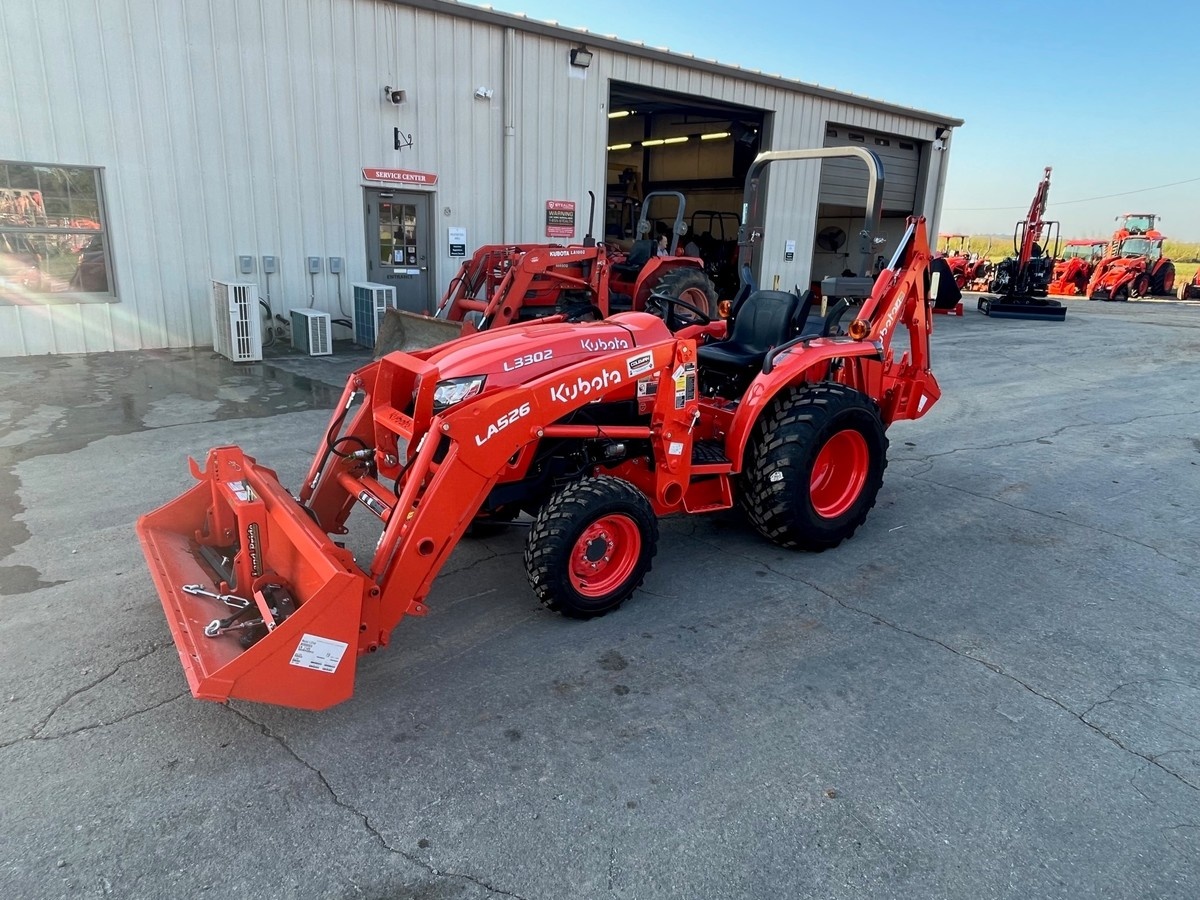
point(1135, 265)
point(1074, 266)
point(595, 429)
point(1132, 224)
point(501, 284)
point(1020, 281)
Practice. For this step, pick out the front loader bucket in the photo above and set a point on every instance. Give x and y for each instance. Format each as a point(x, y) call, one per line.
point(238, 533)
point(408, 332)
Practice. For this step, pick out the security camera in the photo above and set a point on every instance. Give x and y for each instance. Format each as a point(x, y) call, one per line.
point(394, 95)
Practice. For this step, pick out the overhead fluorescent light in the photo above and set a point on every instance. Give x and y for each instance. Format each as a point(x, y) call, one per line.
point(619, 114)
point(655, 142)
point(620, 146)
point(676, 140)
point(716, 135)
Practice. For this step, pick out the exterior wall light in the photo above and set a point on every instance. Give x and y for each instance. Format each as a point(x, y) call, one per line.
point(581, 57)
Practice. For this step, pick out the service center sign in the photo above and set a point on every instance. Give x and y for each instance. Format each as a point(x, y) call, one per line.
point(399, 176)
point(560, 218)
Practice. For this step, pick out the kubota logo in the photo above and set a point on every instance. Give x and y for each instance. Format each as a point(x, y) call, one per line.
point(593, 344)
point(583, 387)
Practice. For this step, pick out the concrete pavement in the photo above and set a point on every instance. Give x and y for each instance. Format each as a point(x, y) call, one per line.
point(991, 691)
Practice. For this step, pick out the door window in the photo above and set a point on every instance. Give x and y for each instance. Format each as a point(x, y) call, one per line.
point(397, 234)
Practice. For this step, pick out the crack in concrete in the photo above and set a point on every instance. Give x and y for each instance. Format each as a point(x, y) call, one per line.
point(1053, 518)
point(1111, 698)
point(38, 727)
point(993, 667)
point(116, 721)
point(366, 822)
point(990, 666)
point(493, 554)
point(1045, 437)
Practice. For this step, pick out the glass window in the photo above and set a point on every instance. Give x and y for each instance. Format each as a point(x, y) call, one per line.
point(53, 242)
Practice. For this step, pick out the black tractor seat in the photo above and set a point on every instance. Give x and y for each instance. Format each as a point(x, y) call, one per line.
point(764, 320)
point(639, 255)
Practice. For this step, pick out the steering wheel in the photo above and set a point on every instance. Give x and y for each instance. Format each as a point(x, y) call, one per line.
point(581, 313)
point(663, 306)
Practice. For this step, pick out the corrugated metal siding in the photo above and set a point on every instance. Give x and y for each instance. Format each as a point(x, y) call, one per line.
point(229, 127)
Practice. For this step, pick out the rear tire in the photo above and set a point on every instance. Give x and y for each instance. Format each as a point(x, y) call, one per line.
point(814, 466)
point(591, 546)
point(692, 285)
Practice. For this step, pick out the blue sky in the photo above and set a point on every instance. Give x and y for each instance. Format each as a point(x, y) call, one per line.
point(1107, 93)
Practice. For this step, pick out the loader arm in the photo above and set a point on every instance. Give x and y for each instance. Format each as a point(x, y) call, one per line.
point(537, 279)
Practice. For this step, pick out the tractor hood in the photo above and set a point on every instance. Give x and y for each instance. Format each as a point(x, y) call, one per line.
point(520, 353)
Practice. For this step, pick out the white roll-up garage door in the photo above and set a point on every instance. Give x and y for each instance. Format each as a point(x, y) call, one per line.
point(844, 181)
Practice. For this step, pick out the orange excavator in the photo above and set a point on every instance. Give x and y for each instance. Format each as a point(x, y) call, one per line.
point(592, 429)
point(1019, 282)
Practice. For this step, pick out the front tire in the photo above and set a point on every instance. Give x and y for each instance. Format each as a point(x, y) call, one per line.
point(591, 546)
point(1163, 282)
point(815, 466)
point(1121, 294)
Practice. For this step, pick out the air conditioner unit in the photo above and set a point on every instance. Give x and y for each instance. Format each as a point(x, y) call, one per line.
point(311, 332)
point(371, 301)
point(236, 323)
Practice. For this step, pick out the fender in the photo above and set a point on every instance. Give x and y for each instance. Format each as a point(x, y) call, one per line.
point(794, 367)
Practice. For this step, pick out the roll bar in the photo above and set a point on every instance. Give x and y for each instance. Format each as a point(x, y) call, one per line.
point(752, 225)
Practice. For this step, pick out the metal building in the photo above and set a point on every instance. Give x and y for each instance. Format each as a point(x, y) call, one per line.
point(148, 148)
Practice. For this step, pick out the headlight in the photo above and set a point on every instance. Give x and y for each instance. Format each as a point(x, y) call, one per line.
point(456, 390)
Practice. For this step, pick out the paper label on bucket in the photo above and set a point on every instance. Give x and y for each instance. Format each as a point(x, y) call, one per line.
point(321, 654)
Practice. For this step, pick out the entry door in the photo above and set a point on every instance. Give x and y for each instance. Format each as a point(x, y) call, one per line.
point(398, 246)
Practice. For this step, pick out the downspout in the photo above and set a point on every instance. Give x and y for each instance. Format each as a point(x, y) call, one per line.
point(943, 169)
point(508, 147)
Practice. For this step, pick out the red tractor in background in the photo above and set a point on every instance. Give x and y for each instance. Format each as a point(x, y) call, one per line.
point(1132, 225)
point(967, 267)
point(1074, 266)
point(593, 429)
point(501, 284)
point(1137, 269)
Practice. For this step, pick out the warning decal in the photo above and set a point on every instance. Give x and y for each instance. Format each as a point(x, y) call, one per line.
point(685, 384)
point(318, 653)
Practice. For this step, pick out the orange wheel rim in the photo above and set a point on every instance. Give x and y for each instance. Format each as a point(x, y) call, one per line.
point(839, 474)
point(605, 555)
